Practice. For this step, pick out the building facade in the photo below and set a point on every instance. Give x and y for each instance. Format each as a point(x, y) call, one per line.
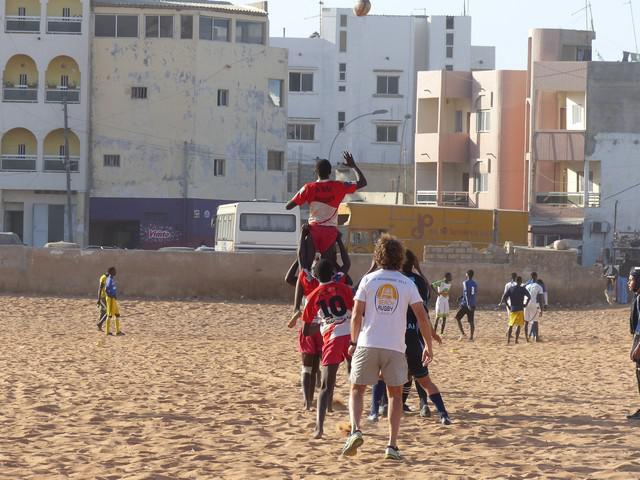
point(188, 111)
point(352, 86)
point(469, 140)
point(44, 53)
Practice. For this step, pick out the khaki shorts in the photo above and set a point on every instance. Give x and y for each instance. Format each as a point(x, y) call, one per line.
point(369, 362)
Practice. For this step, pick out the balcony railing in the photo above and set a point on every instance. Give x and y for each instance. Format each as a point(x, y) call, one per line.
point(19, 24)
point(20, 94)
point(64, 25)
point(56, 95)
point(444, 199)
point(25, 163)
point(568, 199)
point(56, 163)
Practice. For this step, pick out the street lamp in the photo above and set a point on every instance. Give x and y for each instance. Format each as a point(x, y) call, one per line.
point(375, 112)
point(401, 161)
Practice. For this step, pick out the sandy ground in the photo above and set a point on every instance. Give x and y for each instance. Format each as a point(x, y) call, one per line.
point(209, 390)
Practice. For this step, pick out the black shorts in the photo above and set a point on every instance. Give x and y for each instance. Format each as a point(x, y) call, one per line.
point(469, 312)
point(414, 358)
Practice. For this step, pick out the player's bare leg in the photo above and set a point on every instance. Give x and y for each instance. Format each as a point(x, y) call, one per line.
point(329, 373)
point(309, 367)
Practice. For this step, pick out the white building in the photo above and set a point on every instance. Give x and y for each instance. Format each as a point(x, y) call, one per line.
point(359, 65)
point(44, 53)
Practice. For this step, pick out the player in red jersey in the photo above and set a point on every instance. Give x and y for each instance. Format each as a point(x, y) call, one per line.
point(324, 197)
point(331, 303)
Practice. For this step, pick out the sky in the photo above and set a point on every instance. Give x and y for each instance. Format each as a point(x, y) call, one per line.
point(501, 23)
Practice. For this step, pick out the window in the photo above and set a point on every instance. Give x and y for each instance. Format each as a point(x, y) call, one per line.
point(450, 23)
point(583, 54)
point(458, 120)
point(275, 160)
point(66, 12)
point(125, 26)
point(186, 27)
point(388, 85)
point(158, 26)
point(341, 120)
point(61, 151)
point(111, 160)
point(342, 72)
point(276, 88)
point(576, 113)
point(224, 226)
point(22, 150)
point(342, 88)
point(267, 222)
point(449, 52)
point(22, 11)
point(343, 41)
point(22, 80)
point(64, 81)
point(223, 98)
point(215, 29)
point(448, 68)
point(481, 182)
point(250, 32)
point(387, 133)
point(301, 131)
point(343, 20)
point(138, 93)
point(491, 102)
point(449, 39)
point(300, 82)
point(484, 121)
point(218, 167)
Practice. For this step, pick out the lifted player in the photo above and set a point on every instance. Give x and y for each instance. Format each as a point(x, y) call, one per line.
point(331, 302)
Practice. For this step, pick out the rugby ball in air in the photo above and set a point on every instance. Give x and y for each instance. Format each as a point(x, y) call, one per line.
point(362, 7)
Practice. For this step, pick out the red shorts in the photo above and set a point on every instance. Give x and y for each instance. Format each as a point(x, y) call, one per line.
point(323, 237)
point(311, 345)
point(336, 350)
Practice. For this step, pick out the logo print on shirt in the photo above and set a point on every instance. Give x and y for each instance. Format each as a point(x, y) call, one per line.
point(386, 299)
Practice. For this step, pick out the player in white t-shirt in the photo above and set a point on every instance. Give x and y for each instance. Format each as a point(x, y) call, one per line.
point(442, 288)
point(378, 326)
point(533, 310)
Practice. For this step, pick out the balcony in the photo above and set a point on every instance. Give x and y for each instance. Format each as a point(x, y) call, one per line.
point(444, 199)
point(446, 147)
point(71, 25)
point(568, 199)
point(57, 95)
point(20, 94)
point(56, 163)
point(25, 163)
point(559, 145)
point(21, 24)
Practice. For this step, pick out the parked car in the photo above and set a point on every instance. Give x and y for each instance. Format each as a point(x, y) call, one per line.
point(61, 245)
point(9, 238)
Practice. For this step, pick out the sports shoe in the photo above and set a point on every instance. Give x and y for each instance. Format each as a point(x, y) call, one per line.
point(424, 411)
point(373, 417)
point(406, 408)
point(352, 444)
point(120, 334)
point(392, 453)
point(634, 416)
point(444, 419)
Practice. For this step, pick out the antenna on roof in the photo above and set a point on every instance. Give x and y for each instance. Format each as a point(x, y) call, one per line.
point(633, 23)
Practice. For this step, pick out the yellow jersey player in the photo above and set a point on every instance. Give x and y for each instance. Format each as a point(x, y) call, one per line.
point(102, 300)
point(113, 311)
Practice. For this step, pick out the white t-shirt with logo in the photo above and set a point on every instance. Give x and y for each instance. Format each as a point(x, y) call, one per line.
point(387, 295)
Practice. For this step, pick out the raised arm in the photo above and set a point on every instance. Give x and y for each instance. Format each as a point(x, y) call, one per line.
point(344, 255)
point(361, 181)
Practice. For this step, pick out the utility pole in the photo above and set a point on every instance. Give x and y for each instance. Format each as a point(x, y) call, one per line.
point(255, 164)
point(67, 165)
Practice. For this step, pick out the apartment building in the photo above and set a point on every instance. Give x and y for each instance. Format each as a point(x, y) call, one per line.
point(44, 53)
point(469, 140)
point(189, 111)
point(352, 86)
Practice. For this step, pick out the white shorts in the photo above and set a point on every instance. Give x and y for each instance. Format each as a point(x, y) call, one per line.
point(442, 306)
point(531, 313)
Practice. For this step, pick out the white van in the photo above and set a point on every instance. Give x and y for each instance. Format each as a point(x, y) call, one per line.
point(256, 226)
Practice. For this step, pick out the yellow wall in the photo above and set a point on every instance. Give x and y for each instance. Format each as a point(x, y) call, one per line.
point(32, 6)
point(17, 136)
point(20, 64)
point(54, 7)
point(54, 139)
point(62, 65)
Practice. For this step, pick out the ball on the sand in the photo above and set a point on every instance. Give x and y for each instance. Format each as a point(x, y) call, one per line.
point(362, 7)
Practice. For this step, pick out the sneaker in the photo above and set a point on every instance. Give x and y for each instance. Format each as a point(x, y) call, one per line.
point(120, 334)
point(392, 453)
point(406, 408)
point(110, 334)
point(424, 411)
point(373, 417)
point(352, 444)
point(444, 419)
point(635, 416)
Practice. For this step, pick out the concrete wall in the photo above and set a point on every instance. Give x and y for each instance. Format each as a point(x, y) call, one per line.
point(259, 276)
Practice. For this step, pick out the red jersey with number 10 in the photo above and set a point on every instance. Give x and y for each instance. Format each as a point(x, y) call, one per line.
point(324, 198)
point(332, 304)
